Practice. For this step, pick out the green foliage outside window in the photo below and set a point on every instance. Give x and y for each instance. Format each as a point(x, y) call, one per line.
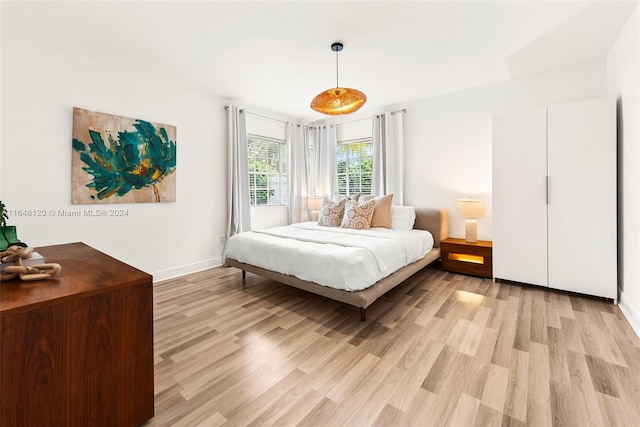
point(354, 164)
point(267, 171)
point(258, 182)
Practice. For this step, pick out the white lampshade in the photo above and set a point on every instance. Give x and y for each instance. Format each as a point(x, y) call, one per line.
point(314, 203)
point(470, 208)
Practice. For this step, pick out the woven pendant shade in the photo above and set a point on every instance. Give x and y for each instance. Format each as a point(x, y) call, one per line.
point(338, 100)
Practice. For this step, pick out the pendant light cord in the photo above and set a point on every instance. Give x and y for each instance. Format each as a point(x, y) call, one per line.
point(337, 85)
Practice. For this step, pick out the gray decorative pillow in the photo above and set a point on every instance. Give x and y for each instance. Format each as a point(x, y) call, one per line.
point(358, 216)
point(331, 213)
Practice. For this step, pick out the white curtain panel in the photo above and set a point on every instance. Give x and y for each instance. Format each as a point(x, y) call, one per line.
point(239, 213)
point(379, 142)
point(388, 156)
point(324, 145)
point(297, 141)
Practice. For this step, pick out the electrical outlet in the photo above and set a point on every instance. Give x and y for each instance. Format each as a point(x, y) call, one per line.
point(221, 239)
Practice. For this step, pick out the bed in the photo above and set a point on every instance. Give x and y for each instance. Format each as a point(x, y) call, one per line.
point(435, 221)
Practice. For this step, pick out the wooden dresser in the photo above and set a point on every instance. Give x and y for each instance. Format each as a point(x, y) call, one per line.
point(77, 350)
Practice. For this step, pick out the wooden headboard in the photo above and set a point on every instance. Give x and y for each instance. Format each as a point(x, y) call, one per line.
point(436, 221)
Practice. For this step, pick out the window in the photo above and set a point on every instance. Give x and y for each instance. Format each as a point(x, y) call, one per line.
point(267, 170)
point(354, 164)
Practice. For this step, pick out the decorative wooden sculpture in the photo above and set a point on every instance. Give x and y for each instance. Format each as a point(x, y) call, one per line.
point(16, 254)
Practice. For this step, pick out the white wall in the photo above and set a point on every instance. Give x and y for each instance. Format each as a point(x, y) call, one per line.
point(448, 152)
point(356, 129)
point(623, 72)
point(579, 82)
point(39, 89)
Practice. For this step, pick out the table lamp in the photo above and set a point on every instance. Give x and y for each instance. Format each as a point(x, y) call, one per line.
point(471, 209)
point(314, 204)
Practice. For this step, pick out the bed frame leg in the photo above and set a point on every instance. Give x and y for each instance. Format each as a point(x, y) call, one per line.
point(244, 276)
point(363, 314)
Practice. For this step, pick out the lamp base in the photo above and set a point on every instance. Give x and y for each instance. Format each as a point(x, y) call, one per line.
point(471, 231)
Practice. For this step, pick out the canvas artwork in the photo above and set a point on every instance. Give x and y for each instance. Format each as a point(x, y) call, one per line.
point(122, 160)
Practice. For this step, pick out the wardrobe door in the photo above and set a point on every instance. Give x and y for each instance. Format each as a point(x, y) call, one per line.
point(582, 197)
point(519, 196)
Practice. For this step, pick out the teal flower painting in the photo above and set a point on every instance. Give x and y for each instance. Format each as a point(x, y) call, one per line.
point(122, 160)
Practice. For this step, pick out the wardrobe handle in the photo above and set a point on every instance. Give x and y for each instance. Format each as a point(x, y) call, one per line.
point(546, 189)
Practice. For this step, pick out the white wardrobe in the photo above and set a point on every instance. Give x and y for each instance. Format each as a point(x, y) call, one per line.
point(554, 197)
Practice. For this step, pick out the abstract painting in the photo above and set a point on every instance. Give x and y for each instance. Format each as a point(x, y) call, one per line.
point(121, 160)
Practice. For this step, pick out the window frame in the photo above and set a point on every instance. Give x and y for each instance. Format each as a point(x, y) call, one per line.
point(281, 174)
point(347, 190)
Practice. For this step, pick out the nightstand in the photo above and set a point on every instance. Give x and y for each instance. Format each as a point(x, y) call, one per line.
point(460, 256)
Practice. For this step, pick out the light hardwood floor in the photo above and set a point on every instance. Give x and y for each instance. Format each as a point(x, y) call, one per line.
point(442, 349)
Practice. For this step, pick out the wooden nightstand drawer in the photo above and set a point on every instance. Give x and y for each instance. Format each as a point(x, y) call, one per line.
point(460, 256)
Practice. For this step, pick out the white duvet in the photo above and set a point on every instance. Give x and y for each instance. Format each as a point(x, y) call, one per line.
point(336, 257)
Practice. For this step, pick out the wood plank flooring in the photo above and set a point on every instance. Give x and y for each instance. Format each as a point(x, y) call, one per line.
point(440, 350)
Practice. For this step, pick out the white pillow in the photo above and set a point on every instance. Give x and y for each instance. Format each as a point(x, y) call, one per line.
point(402, 217)
point(340, 197)
point(337, 198)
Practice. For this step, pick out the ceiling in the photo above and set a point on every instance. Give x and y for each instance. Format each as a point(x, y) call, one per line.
point(275, 55)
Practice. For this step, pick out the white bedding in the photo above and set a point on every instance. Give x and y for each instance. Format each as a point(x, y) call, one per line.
point(332, 256)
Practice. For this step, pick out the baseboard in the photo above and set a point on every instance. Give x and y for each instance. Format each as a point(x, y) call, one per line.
point(172, 273)
point(630, 312)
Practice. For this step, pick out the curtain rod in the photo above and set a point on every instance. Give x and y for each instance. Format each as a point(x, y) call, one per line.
point(226, 107)
point(268, 118)
point(338, 124)
point(404, 110)
point(318, 126)
point(354, 121)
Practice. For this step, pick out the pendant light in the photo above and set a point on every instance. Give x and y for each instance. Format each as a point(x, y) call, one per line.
point(338, 100)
